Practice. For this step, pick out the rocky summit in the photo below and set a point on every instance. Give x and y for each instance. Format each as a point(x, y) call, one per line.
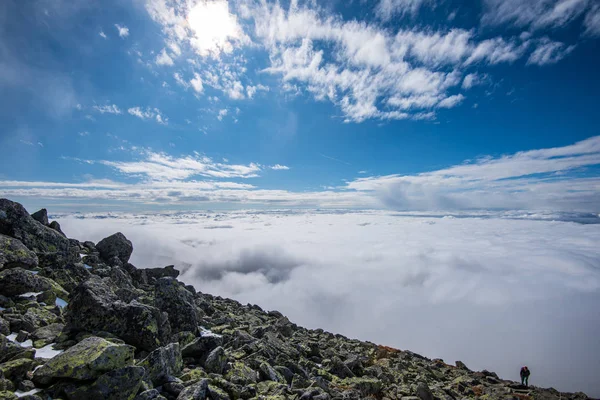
point(79, 322)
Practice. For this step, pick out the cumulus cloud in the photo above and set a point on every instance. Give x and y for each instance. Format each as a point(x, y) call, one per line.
point(123, 30)
point(110, 109)
point(197, 83)
point(163, 58)
point(222, 114)
point(371, 275)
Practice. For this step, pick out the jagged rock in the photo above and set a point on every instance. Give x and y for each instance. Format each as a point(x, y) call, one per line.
point(162, 364)
point(46, 334)
point(178, 303)
point(88, 359)
point(423, 391)
point(149, 276)
point(56, 226)
point(15, 369)
point(202, 345)
point(115, 245)
point(151, 394)
point(13, 253)
point(461, 365)
point(34, 318)
point(197, 391)
point(71, 275)
point(95, 307)
point(41, 216)
point(216, 361)
point(340, 369)
point(119, 384)
point(16, 222)
point(4, 327)
point(18, 281)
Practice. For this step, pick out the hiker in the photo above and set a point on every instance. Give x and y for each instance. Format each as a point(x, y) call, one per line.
point(525, 376)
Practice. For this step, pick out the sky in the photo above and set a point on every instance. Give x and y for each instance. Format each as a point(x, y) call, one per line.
point(383, 104)
point(418, 173)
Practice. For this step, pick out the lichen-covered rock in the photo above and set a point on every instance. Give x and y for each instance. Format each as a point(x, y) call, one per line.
point(41, 216)
point(16, 222)
point(69, 276)
point(116, 245)
point(46, 334)
point(149, 276)
point(18, 281)
point(162, 364)
point(202, 345)
point(13, 253)
point(87, 360)
point(197, 391)
point(119, 384)
point(216, 361)
point(178, 303)
point(95, 307)
point(15, 369)
point(56, 226)
point(151, 394)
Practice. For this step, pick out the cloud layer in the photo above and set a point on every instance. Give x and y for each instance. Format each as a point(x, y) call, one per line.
point(544, 179)
point(492, 292)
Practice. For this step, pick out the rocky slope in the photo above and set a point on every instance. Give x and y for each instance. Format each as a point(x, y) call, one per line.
point(78, 321)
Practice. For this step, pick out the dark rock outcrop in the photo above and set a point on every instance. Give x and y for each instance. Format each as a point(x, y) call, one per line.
point(13, 253)
point(117, 246)
point(41, 216)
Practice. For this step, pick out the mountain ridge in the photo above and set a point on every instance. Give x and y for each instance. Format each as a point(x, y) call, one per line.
point(116, 331)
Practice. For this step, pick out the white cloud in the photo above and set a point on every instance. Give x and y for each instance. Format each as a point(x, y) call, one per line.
point(451, 101)
point(196, 83)
point(592, 21)
point(279, 167)
point(110, 109)
point(123, 30)
point(549, 52)
point(103, 35)
point(163, 58)
point(222, 114)
point(386, 9)
point(180, 81)
point(84, 133)
point(519, 284)
point(473, 79)
point(536, 14)
point(149, 113)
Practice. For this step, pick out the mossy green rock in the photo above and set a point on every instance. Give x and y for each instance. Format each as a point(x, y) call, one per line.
point(241, 374)
point(163, 363)
point(17, 281)
point(119, 384)
point(86, 360)
point(15, 369)
point(13, 253)
point(6, 395)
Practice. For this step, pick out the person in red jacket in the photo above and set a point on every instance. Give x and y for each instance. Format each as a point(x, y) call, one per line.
point(525, 376)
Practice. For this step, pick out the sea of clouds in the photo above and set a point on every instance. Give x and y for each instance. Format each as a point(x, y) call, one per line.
point(495, 290)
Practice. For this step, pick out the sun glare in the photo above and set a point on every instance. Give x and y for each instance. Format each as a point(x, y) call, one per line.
point(214, 27)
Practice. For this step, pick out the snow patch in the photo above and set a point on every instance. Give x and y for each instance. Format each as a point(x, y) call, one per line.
point(19, 393)
point(47, 351)
point(30, 294)
point(61, 303)
point(207, 333)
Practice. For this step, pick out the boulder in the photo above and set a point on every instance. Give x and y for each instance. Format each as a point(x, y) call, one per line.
point(119, 384)
point(69, 276)
point(87, 360)
point(197, 391)
point(16, 222)
point(18, 281)
point(151, 394)
point(41, 216)
point(95, 307)
point(216, 361)
point(423, 391)
point(162, 363)
point(115, 245)
point(202, 345)
point(15, 369)
point(46, 334)
point(148, 276)
point(178, 303)
point(13, 253)
point(56, 226)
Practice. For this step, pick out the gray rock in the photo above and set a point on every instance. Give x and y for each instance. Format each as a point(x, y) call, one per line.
point(18, 281)
point(178, 303)
point(162, 364)
point(119, 384)
point(197, 391)
point(216, 361)
point(149, 276)
point(115, 245)
point(56, 226)
point(461, 365)
point(151, 394)
point(13, 253)
point(87, 360)
point(423, 391)
point(46, 334)
point(41, 216)
point(95, 307)
point(16, 222)
point(201, 346)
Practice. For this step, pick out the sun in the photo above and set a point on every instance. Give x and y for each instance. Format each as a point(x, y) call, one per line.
point(215, 29)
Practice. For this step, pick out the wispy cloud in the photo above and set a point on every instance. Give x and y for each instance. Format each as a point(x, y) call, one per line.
point(279, 167)
point(149, 113)
point(549, 52)
point(103, 35)
point(110, 109)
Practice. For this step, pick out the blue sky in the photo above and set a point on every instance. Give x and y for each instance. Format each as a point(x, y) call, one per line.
point(402, 104)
